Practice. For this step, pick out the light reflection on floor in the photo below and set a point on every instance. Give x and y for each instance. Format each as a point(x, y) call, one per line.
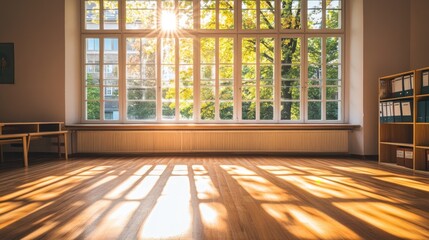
point(194, 201)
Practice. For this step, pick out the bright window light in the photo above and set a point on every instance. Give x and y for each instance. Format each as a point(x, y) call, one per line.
point(168, 21)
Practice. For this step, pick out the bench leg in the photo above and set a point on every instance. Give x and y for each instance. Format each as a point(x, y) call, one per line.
point(1, 153)
point(66, 146)
point(25, 150)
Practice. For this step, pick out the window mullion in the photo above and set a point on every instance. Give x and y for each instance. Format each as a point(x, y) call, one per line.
point(158, 81)
point(122, 81)
point(101, 84)
point(176, 76)
point(304, 80)
point(324, 14)
point(323, 83)
point(258, 79)
point(217, 67)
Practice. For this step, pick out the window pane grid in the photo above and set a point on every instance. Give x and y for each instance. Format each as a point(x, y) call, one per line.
point(165, 87)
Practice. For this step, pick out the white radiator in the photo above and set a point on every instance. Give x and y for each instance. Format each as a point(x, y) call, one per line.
point(295, 141)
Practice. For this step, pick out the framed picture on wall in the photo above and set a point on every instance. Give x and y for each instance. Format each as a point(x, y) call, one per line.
point(7, 65)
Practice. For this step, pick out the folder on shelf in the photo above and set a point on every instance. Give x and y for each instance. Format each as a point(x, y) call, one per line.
point(408, 157)
point(425, 82)
point(421, 111)
point(384, 111)
point(397, 87)
point(380, 110)
point(407, 111)
point(427, 110)
point(389, 116)
point(397, 112)
point(384, 89)
point(400, 156)
point(408, 85)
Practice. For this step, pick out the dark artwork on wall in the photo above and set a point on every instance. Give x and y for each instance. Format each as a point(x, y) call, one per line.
point(7, 68)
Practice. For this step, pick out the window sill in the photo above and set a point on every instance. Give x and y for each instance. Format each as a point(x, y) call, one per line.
point(191, 127)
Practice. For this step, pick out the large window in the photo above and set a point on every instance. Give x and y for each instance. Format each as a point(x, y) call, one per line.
point(213, 61)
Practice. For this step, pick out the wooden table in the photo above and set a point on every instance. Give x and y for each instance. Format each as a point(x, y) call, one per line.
point(26, 131)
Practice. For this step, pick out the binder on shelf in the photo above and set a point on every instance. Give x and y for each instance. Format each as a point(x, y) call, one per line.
point(421, 111)
point(384, 89)
point(408, 157)
point(400, 156)
point(397, 87)
point(408, 85)
point(407, 111)
point(389, 117)
point(380, 110)
point(397, 112)
point(384, 111)
point(425, 82)
point(427, 110)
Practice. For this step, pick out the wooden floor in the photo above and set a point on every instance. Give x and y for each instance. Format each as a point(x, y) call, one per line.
point(237, 197)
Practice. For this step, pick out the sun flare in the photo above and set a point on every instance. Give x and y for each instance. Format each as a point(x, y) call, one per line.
point(168, 21)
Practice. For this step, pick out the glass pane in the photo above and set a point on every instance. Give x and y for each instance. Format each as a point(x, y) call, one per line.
point(333, 19)
point(290, 90)
point(208, 19)
point(333, 111)
point(92, 93)
point(291, 72)
point(226, 72)
point(207, 110)
point(267, 14)
point(314, 14)
point(226, 50)
point(141, 111)
point(314, 93)
point(266, 93)
point(315, 72)
point(333, 50)
point(248, 92)
point(226, 18)
point(291, 14)
point(266, 72)
point(208, 93)
point(333, 72)
point(290, 111)
point(186, 93)
point(333, 93)
point(266, 111)
point(92, 15)
point(226, 110)
point(248, 50)
point(248, 72)
point(111, 93)
point(142, 93)
point(92, 74)
point(110, 14)
point(226, 93)
point(291, 50)
point(186, 50)
point(111, 110)
point(314, 50)
point(249, 19)
point(168, 50)
point(92, 50)
point(186, 17)
point(141, 14)
point(248, 110)
point(208, 51)
point(208, 72)
point(93, 110)
point(168, 110)
point(266, 48)
point(186, 110)
point(314, 111)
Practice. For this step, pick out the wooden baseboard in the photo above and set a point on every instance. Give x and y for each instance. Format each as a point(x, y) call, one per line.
point(365, 157)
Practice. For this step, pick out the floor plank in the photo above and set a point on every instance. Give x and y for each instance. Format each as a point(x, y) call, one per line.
point(212, 197)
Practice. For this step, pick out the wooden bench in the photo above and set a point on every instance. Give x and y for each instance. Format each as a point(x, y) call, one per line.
point(26, 131)
point(14, 138)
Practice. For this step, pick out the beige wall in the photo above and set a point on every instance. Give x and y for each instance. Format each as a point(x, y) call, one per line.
point(386, 51)
point(37, 29)
point(419, 34)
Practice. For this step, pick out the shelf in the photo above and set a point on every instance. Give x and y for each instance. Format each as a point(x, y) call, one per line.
point(398, 123)
point(422, 123)
point(423, 147)
point(398, 144)
point(422, 171)
point(422, 95)
point(397, 98)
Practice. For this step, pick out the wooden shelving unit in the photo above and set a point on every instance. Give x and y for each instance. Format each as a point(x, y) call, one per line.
point(411, 135)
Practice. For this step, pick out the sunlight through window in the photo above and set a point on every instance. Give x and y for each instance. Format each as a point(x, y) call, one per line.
point(168, 21)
